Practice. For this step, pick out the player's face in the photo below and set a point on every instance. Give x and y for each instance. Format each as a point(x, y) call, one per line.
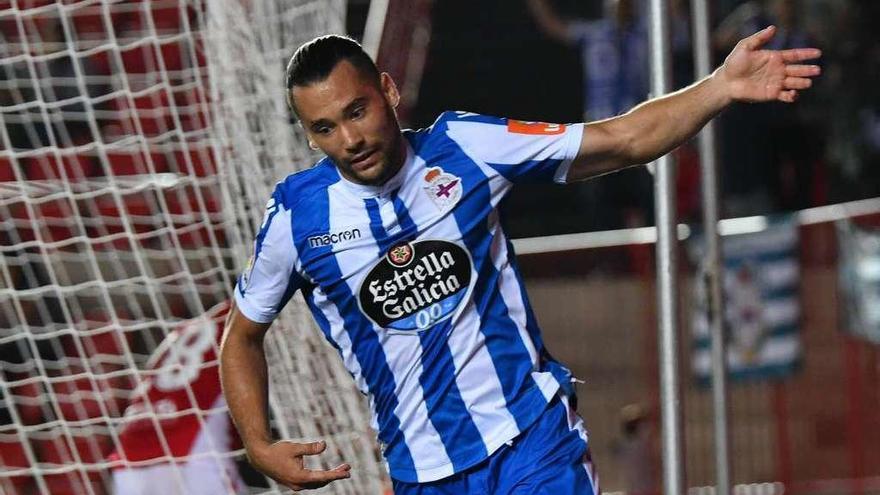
point(352, 119)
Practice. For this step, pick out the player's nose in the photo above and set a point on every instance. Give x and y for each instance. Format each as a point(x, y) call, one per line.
point(352, 139)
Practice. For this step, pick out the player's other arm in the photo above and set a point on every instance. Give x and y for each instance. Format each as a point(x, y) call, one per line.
point(244, 376)
point(658, 126)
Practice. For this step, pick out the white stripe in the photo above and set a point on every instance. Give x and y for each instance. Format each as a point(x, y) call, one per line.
point(778, 312)
point(402, 352)
point(509, 287)
point(776, 351)
point(779, 274)
point(340, 336)
point(774, 239)
point(479, 386)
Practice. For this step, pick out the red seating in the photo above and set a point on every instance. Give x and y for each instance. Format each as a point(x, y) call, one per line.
point(198, 162)
point(7, 170)
point(150, 110)
point(135, 162)
point(61, 166)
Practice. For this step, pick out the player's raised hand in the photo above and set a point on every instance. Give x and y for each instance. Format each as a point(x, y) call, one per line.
point(755, 74)
point(283, 462)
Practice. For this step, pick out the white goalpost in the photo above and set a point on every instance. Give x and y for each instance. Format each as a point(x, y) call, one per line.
point(139, 143)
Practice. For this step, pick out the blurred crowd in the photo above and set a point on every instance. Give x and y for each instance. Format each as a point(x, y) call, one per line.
point(774, 157)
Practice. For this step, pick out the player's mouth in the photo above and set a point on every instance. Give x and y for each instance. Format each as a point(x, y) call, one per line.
point(365, 160)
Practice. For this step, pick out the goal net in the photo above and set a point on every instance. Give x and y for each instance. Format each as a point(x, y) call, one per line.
point(139, 142)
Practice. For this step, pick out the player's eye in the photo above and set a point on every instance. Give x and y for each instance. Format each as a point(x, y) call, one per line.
point(358, 112)
point(322, 130)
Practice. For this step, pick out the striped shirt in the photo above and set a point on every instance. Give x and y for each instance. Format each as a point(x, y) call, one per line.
point(415, 284)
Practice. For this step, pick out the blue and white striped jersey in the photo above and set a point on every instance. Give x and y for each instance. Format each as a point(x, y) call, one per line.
point(416, 286)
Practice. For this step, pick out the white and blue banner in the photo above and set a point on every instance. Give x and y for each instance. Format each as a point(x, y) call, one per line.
point(762, 304)
point(859, 272)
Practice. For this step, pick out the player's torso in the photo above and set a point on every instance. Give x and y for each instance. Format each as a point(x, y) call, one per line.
point(405, 259)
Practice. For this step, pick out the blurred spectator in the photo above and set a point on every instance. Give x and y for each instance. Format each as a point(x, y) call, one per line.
point(178, 430)
point(636, 451)
point(51, 112)
point(614, 57)
point(614, 53)
point(769, 151)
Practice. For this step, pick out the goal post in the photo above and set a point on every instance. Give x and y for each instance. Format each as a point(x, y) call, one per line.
point(140, 141)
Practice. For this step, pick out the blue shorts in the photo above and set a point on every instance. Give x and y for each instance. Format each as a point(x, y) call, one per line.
point(549, 458)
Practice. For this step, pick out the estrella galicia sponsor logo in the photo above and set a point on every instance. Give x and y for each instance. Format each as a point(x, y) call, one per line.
point(416, 285)
point(334, 238)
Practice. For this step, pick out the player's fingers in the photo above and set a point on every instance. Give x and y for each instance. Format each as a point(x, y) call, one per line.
point(788, 96)
point(312, 448)
point(800, 54)
point(321, 478)
point(802, 70)
point(758, 39)
point(798, 83)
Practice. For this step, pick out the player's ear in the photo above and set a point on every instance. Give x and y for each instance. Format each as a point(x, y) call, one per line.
point(389, 89)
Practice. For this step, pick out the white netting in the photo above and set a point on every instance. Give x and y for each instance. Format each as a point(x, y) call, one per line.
point(140, 141)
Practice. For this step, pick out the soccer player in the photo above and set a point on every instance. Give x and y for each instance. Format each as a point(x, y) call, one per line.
point(186, 450)
point(395, 242)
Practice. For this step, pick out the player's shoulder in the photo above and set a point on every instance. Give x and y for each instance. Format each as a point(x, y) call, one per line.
point(450, 117)
point(293, 189)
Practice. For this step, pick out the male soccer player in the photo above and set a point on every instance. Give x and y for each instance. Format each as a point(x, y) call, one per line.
point(395, 243)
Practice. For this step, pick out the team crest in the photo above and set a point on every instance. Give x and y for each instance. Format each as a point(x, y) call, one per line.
point(444, 189)
point(400, 255)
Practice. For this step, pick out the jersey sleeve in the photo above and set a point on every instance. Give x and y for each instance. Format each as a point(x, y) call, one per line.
point(520, 151)
point(270, 279)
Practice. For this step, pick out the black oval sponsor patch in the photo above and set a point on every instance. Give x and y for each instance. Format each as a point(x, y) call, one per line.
point(416, 285)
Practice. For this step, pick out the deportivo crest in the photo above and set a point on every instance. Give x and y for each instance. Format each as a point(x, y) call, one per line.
point(444, 189)
point(416, 285)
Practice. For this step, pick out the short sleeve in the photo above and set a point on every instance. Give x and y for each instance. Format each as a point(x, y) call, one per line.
point(270, 279)
point(518, 150)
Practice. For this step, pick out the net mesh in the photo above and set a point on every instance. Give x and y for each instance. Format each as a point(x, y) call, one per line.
point(140, 140)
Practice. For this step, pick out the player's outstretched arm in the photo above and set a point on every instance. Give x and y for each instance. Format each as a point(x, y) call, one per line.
point(244, 377)
point(656, 127)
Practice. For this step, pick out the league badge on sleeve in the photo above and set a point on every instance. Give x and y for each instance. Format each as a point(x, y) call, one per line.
point(534, 128)
point(443, 188)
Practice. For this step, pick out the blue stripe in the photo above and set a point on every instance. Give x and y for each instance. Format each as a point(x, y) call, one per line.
point(320, 319)
point(376, 227)
point(546, 361)
point(766, 372)
point(780, 331)
point(533, 170)
point(446, 408)
point(759, 256)
point(508, 352)
point(364, 341)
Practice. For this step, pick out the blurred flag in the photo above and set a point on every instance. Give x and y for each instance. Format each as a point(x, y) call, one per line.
point(762, 305)
point(859, 272)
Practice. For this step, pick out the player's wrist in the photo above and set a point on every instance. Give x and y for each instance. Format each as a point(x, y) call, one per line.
point(723, 87)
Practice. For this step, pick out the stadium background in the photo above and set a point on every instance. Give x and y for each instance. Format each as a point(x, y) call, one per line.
point(812, 431)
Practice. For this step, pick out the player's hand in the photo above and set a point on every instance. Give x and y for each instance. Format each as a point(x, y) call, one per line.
point(754, 74)
point(283, 462)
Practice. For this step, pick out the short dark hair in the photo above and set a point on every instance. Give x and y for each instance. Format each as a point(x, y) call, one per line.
point(313, 61)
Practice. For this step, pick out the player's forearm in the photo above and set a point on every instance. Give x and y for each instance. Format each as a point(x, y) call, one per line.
point(244, 378)
point(650, 130)
point(658, 126)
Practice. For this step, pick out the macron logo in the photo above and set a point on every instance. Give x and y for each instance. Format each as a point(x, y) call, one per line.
point(334, 238)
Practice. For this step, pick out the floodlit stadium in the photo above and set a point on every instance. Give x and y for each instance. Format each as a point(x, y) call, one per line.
point(717, 309)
